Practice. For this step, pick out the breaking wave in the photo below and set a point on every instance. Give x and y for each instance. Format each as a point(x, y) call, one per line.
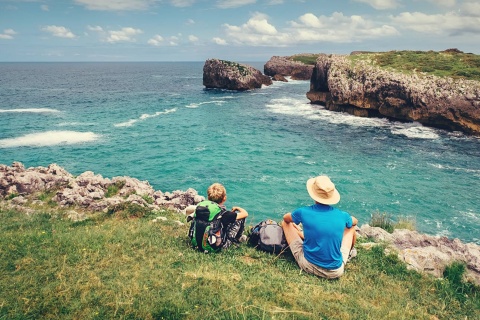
point(49, 138)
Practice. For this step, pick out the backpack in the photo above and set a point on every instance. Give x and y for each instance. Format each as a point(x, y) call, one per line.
point(268, 236)
point(206, 231)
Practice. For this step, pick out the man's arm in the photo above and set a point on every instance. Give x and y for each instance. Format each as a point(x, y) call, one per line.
point(288, 219)
point(354, 221)
point(241, 213)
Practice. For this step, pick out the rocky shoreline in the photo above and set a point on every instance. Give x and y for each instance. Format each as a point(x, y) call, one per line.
point(23, 189)
point(365, 90)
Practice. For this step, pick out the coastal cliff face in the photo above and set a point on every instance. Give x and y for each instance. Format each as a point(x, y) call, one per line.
point(365, 90)
point(284, 66)
point(229, 75)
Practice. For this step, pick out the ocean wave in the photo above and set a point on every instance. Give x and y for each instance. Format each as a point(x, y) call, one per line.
point(143, 117)
point(299, 107)
point(29, 110)
point(446, 167)
point(414, 130)
point(76, 124)
point(196, 105)
point(49, 138)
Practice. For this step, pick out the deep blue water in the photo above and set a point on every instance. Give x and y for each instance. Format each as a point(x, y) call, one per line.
point(156, 122)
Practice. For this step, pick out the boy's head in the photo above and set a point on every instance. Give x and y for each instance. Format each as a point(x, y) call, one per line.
point(217, 193)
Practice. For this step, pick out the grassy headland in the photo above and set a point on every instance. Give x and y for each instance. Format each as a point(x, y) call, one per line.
point(449, 63)
point(125, 266)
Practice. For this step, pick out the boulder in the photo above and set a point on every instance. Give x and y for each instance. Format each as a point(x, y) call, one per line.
point(230, 75)
point(366, 90)
point(426, 253)
point(286, 66)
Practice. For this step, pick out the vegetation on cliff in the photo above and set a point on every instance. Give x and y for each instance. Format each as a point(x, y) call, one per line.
point(126, 265)
point(449, 63)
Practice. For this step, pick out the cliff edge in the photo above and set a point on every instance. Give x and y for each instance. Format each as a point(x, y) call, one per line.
point(363, 89)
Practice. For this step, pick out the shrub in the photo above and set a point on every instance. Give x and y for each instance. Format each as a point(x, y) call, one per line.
point(114, 188)
point(382, 220)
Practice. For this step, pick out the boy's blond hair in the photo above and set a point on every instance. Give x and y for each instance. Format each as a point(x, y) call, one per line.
point(216, 192)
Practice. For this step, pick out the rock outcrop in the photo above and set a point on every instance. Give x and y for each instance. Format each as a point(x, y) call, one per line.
point(365, 90)
point(89, 191)
point(286, 67)
point(429, 254)
point(229, 75)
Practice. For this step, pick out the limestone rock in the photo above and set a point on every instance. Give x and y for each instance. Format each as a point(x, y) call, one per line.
point(426, 253)
point(230, 75)
point(88, 190)
point(365, 90)
point(285, 66)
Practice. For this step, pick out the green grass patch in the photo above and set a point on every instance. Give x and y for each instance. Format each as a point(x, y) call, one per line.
point(114, 188)
point(114, 268)
point(305, 59)
point(386, 222)
point(448, 63)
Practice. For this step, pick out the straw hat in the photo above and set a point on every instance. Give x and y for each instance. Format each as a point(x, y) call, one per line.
point(322, 190)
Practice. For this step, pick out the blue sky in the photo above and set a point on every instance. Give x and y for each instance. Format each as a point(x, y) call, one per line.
point(239, 30)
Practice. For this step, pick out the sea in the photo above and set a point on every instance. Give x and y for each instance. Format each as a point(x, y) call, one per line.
point(155, 121)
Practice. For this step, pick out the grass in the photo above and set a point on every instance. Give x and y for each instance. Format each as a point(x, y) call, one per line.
point(449, 63)
point(307, 59)
point(124, 266)
point(386, 222)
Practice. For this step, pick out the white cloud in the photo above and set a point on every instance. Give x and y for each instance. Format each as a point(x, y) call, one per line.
point(257, 31)
point(156, 40)
point(227, 4)
point(95, 28)
point(116, 5)
point(275, 2)
point(7, 34)
point(59, 31)
point(443, 3)
point(190, 22)
point(380, 4)
point(182, 3)
point(192, 38)
point(123, 35)
point(44, 7)
point(471, 8)
point(450, 23)
point(220, 41)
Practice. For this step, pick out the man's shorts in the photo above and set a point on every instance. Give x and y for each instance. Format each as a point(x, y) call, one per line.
point(297, 250)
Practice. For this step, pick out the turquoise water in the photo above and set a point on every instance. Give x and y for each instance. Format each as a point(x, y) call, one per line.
point(156, 122)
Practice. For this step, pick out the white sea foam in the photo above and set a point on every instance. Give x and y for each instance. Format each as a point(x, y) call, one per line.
point(75, 124)
point(299, 107)
point(446, 167)
point(196, 105)
point(414, 130)
point(29, 110)
point(49, 138)
point(143, 117)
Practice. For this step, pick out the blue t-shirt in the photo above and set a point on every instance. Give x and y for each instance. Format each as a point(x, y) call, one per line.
point(323, 228)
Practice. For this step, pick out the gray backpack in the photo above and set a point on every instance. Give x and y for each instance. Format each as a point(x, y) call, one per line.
point(268, 236)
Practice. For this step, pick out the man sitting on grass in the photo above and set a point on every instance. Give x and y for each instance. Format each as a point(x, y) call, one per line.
point(328, 236)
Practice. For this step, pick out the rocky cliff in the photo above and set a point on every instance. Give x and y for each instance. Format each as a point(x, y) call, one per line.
point(363, 89)
point(229, 75)
point(285, 66)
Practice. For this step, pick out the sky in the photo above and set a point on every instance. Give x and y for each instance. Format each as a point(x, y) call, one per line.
point(237, 30)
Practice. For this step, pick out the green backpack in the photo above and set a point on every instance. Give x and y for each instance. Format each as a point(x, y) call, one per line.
point(206, 232)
